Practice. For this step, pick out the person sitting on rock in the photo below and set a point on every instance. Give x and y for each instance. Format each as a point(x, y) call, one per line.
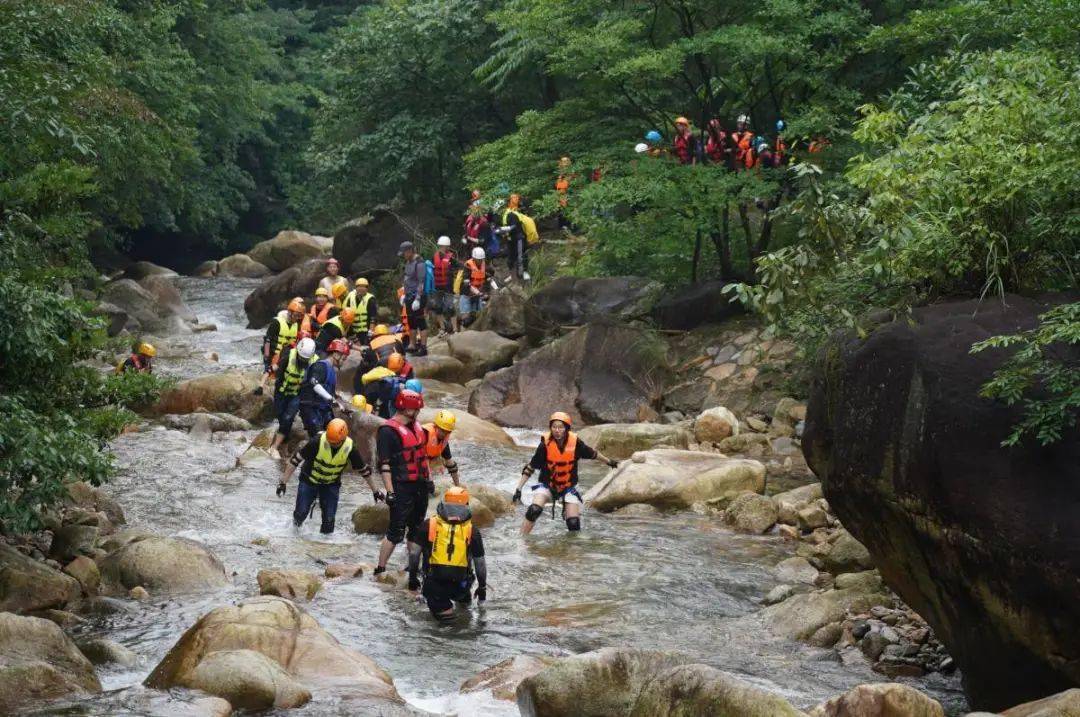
point(141, 359)
point(318, 389)
point(438, 444)
point(336, 328)
point(290, 375)
point(557, 459)
point(333, 278)
point(322, 460)
point(451, 556)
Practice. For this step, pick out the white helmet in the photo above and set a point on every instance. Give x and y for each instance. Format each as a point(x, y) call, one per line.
point(744, 119)
point(306, 348)
point(641, 147)
point(478, 254)
point(444, 240)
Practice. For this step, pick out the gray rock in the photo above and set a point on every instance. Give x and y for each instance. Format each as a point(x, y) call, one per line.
point(797, 570)
point(39, 662)
point(103, 652)
point(28, 585)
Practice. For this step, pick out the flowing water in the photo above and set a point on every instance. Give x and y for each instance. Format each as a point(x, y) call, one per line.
point(678, 582)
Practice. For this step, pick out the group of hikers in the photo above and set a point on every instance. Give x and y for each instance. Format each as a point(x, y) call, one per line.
point(737, 150)
point(305, 347)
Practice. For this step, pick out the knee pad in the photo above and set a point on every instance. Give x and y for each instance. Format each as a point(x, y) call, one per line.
point(573, 524)
point(533, 512)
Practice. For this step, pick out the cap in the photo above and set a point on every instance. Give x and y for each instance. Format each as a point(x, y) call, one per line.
point(404, 247)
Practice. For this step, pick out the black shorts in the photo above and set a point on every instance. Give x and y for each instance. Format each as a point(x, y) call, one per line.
point(417, 322)
point(442, 594)
point(443, 303)
point(408, 511)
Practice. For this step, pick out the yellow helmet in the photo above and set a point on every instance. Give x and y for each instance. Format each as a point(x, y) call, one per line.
point(362, 282)
point(322, 292)
point(339, 290)
point(360, 404)
point(146, 349)
point(380, 330)
point(446, 420)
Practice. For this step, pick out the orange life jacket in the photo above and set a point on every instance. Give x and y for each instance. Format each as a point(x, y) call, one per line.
point(477, 273)
point(441, 261)
point(435, 447)
point(413, 449)
point(744, 152)
point(321, 315)
point(560, 462)
point(562, 186)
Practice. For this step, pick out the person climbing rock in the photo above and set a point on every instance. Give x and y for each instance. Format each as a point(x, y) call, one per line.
point(401, 447)
point(362, 303)
point(442, 308)
point(475, 285)
point(517, 244)
point(557, 459)
point(414, 299)
point(319, 386)
point(281, 332)
point(438, 441)
point(322, 460)
point(290, 375)
point(384, 343)
point(380, 385)
point(333, 329)
point(141, 359)
point(320, 312)
point(450, 556)
point(333, 277)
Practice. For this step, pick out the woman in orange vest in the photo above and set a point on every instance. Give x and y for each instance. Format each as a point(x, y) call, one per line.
point(474, 286)
point(557, 459)
point(318, 314)
point(743, 139)
point(438, 443)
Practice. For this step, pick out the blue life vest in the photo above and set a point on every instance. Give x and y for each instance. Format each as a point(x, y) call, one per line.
point(307, 392)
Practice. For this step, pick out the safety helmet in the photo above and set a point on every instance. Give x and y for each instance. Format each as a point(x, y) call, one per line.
point(380, 330)
point(347, 316)
point(340, 346)
point(337, 431)
point(413, 384)
point(653, 136)
point(443, 241)
point(446, 420)
point(321, 291)
point(476, 194)
point(641, 147)
point(332, 262)
point(478, 254)
point(745, 119)
point(560, 416)
point(306, 348)
point(362, 282)
point(145, 349)
point(514, 201)
point(456, 495)
point(360, 403)
point(780, 125)
point(682, 120)
point(339, 290)
point(395, 361)
point(296, 306)
point(407, 399)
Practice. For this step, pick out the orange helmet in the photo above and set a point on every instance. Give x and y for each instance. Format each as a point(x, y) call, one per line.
point(297, 305)
point(682, 120)
point(560, 416)
point(348, 316)
point(337, 431)
point(395, 361)
point(456, 495)
point(339, 290)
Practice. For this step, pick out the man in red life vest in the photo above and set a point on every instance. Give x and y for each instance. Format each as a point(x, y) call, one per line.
point(442, 304)
point(685, 144)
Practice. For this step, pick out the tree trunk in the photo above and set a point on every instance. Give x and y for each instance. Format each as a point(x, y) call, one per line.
point(722, 243)
point(697, 258)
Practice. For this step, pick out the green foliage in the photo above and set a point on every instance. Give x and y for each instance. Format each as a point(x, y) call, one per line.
point(1037, 375)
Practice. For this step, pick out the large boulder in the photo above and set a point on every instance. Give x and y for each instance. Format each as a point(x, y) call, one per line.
point(503, 678)
point(367, 246)
point(138, 303)
point(242, 266)
point(286, 250)
point(116, 319)
point(161, 564)
point(472, 429)
point(274, 292)
point(575, 374)
point(800, 616)
point(751, 513)
point(668, 478)
point(229, 392)
point(705, 690)
point(965, 530)
point(28, 585)
point(288, 636)
point(482, 351)
point(883, 699)
point(1063, 704)
point(715, 424)
point(440, 367)
point(142, 269)
point(504, 313)
point(167, 297)
point(573, 301)
point(247, 679)
point(622, 440)
point(39, 662)
point(694, 305)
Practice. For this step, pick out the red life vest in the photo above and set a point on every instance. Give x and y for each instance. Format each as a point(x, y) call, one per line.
point(684, 148)
point(441, 262)
point(477, 273)
point(406, 369)
point(413, 449)
point(560, 462)
point(716, 148)
point(475, 224)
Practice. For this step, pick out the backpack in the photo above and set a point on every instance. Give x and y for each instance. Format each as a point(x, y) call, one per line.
point(429, 278)
point(527, 225)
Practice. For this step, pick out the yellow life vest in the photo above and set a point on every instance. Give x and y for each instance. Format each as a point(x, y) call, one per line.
point(449, 547)
point(359, 305)
point(329, 463)
point(286, 333)
point(294, 374)
point(375, 374)
point(527, 225)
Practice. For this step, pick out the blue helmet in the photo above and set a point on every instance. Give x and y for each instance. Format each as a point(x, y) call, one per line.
point(780, 125)
point(653, 136)
point(414, 384)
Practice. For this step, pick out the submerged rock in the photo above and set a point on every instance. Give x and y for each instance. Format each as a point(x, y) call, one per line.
point(39, 662)
point(103, 652)
point(503, 678)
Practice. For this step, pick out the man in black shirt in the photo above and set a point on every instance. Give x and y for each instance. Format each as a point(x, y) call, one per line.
point(452, 551)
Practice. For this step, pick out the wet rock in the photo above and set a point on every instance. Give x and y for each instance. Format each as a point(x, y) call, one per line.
point(715, 424)
point(104, 652)
point(789, 503)
point(960, 525)
point(780, 593)
point(621, 440)
point(497, 501)
point(206, 270)
point(1063, 704)
point(82, 494)
point(440, 367)
point(472, 429)
point(482, 351)
point(745, 443)
point(751, 513)
point(826, 635)
point(800, 616)
point(503, 678)
point(71, 541)
point(162, 565)
point(885, 699)
point(214, 421)
point(242, 266)
point(63, 618)
point(847, 555)
point(668, 478)
point(286, 250)
point(346, 570)
point(274, 292)
point(694, 305)
point(142, 269)
point(140, 305)
point(812, 517)
point(371, 519)
point(247, 680)
point(86, 572)
point(705, 690)
point(28, 585)
point(573, 301)
point(868, 580)
point(288, 636)
point(292, 584)
point(795, 570)
point(167, 299)
point(231, 392)
point(116, 319)
point(573, 374)
point(139, 593)
point(39, 662)
point(504, 313)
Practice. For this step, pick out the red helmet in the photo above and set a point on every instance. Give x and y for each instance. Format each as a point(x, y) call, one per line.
point(409, 399)
point(341, 346)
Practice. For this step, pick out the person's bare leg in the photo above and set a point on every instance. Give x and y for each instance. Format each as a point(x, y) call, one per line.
point(385, 551)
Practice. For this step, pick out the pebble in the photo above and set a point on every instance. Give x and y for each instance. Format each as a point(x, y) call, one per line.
point(138, 593)
point(859, 629)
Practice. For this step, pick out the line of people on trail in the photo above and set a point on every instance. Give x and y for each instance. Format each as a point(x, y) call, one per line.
point(502, 230)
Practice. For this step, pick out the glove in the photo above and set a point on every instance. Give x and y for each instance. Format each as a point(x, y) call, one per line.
point(416, 304)
point(280, 489)
point(390, 499)
point(431, 487)
point(481, 593)
point(517, 495)
point(612, 463)
point(379, 495)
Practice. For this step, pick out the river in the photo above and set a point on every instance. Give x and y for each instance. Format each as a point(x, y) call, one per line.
point(679, 582)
